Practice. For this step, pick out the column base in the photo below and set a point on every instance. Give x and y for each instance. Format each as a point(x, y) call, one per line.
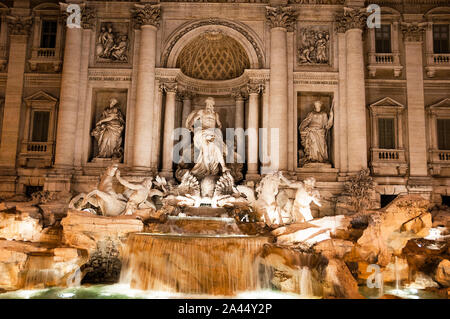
point(168, 174)
point(252, 176)
point(141, 171)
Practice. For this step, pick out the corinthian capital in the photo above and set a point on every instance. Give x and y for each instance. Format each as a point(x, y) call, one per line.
point(19, 25)
point(413, 32)
point(87, 17)
point(254, 88)
point(351, 18)
point(170, 87)
point(146, 15)
point(281, 17)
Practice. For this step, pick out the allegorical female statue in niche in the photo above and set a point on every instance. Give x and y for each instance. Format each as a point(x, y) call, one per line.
point(313, 133)
point(108, 131)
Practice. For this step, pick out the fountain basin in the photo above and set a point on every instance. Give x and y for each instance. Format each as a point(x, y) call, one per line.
point(196, 225)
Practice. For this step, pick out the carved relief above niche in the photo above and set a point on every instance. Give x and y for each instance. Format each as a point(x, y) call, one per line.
point(108, 123)
point(112, 43)
point(313, 45)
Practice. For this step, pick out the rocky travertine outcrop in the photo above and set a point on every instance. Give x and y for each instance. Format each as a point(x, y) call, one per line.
point(24, 224)
point(442, 273)
point(84, 230)
point(35, 265)
point(389, 229)
point(329, 275)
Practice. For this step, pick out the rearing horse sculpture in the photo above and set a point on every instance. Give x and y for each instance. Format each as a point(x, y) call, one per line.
point(104, 197)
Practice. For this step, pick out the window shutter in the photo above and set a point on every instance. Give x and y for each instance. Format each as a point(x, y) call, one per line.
point(386, 133)
point(443, 132)
point(441, 38)
point(383, 39)
point(48, 34)
point(40, 126)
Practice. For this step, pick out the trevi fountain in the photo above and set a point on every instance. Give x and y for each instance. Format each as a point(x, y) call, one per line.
point(208, 234)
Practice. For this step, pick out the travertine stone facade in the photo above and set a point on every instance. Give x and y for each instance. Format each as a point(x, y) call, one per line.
point(265, 63)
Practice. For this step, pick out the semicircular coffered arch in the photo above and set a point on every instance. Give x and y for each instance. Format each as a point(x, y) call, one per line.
point(238, 31)
point(213, 56)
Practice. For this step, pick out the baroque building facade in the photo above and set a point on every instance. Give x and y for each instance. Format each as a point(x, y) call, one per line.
point(136, 69)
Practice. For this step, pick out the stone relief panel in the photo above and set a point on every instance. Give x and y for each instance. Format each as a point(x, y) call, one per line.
point(113, 43)
point(315, 119)
point(313, 46)
point(108, 125)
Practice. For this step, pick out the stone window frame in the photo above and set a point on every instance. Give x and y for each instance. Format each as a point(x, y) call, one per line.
point(438, 159)
point(388, 161)
point(385, 61)
point(39, 101)
point(2, 105)
point(435, 62)
point(3, 37)
point(46, 55)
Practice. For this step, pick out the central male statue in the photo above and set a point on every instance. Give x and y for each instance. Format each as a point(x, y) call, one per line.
point(205, 125)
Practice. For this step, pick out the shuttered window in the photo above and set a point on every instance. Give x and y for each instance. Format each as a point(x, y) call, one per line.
point(383, 39)
point(441, 38)
point(48, 34)
point(40, 126)
point(443, 131)
point(386, 133)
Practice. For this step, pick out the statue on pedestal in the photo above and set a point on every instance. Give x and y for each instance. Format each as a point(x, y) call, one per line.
point(108, 132)
point(313, 132)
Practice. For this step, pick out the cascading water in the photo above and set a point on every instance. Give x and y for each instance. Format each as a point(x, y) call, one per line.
point(39, 271)
point(194, 264)
point(397, 274)
point(306, 284)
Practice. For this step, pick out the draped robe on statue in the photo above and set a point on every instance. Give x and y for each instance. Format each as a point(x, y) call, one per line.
point(108, 133)
point(313, 133)
point(208, 141)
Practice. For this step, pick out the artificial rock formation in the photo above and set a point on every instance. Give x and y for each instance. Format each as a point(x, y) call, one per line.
point(389, 229)
point(34, 265)
point(84, 230)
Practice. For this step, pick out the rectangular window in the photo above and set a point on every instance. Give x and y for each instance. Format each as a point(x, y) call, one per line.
point(41, 121)
point(443, 131)
point(386, 133)
point(48, 34)
point(383, 39)
point(441, 38)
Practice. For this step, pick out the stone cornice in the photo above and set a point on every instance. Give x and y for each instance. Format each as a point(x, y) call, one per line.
point(324, 78)
point(19, 25)
point(146, 15)
point(351, 18)
point(40, 80)
point(109, 75)
point(413, 32)
point(281, 17)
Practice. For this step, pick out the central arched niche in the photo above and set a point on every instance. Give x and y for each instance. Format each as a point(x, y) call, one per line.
point(214, 56)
